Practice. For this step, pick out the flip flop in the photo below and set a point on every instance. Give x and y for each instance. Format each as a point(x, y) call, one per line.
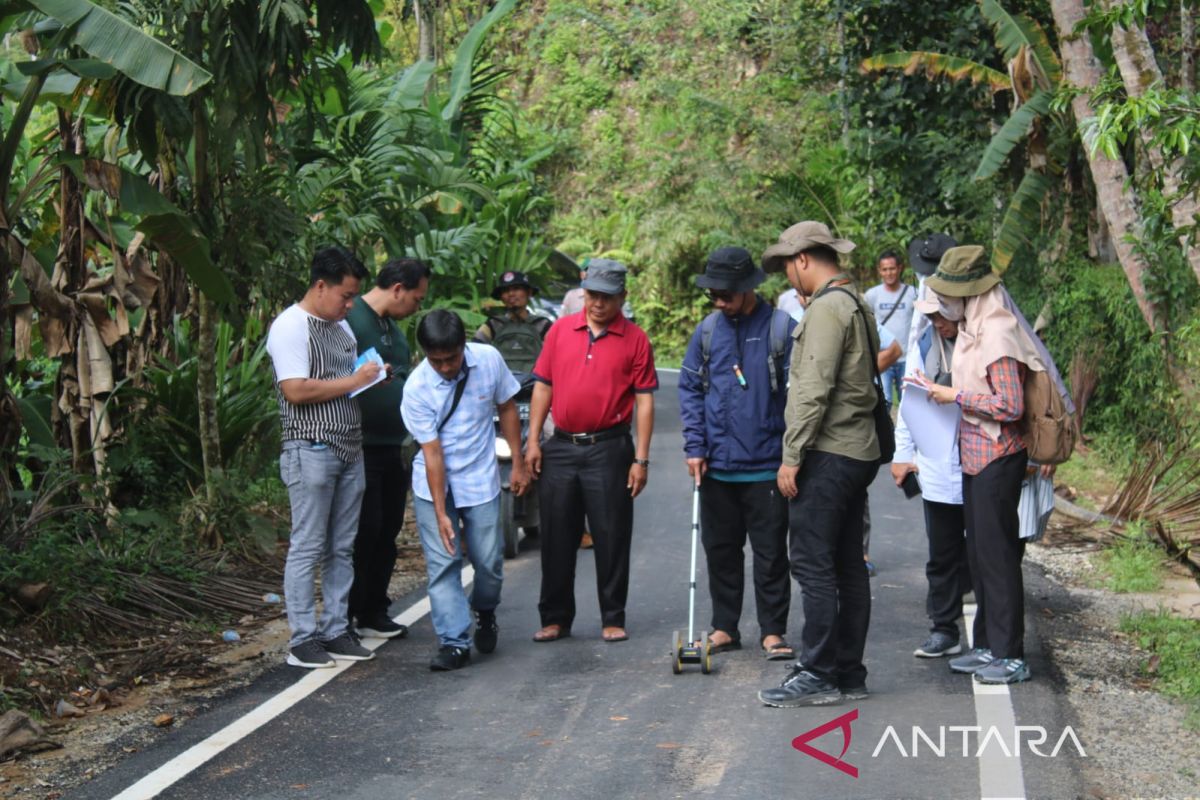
point(780, 651)
point(615, 636)
point(552, 633)
point(732, 644)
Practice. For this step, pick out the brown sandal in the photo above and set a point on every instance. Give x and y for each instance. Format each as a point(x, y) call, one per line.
point(614, 633)
point(552, 633)
point(780, 651)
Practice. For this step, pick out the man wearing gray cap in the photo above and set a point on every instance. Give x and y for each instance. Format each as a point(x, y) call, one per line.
point(593, 366)
point(830, 455)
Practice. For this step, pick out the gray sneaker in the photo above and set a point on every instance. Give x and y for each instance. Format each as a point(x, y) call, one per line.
point(1004, 670)
point(347, 648)
point(309, 655)
point(977, 658)
point(937, 645)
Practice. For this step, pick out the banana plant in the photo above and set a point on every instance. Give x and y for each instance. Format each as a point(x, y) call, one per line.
point(1034, 74)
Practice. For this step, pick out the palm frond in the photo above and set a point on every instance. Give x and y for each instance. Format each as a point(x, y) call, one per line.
point(1022, 221)
point(1014, 129)
point(937, 65)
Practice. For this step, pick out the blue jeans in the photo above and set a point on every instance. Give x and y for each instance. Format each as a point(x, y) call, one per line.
point(479, 528)
point(326, 497)
point(892, 376)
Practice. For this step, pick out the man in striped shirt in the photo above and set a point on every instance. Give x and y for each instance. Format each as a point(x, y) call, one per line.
point(313, 352)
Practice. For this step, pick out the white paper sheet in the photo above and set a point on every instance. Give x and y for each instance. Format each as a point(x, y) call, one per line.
point(934, 427)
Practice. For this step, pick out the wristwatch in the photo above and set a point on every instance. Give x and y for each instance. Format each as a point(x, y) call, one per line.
point(642, 462)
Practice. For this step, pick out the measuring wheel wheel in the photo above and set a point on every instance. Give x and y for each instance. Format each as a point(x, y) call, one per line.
point(676, 653)
point(706, 657)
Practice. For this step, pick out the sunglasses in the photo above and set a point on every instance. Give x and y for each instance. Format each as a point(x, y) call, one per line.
point(717, 294)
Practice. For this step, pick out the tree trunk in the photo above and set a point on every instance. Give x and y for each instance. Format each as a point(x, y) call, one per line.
point(1083, 72)
point(1187, 44)
point(206, 395)
point(426, 13)
point(206, 339)
point(1139, 72)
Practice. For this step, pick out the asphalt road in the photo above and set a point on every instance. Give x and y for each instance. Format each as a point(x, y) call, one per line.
point(584, 719)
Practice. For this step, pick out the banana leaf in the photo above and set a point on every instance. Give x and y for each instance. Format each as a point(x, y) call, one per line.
point(111, 39)
point(1014, 129)
point(1022, 221)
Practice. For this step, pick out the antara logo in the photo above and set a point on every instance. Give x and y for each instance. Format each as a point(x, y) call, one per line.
point(1023, 737)
point(841, 723)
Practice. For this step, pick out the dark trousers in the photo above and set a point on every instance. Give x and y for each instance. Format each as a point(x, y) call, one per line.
point(382, 517)
point(579, 480)
point(729, 514)
point(946, 571)
point(827, 561)
point(994, 550)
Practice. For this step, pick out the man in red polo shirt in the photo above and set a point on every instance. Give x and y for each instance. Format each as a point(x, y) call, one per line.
point(593, 366)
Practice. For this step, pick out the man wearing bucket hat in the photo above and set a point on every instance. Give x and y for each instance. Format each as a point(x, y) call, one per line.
point(830, 455)
point(994, 349)
point(517, 333)
point(595, 370)
point(732, 392)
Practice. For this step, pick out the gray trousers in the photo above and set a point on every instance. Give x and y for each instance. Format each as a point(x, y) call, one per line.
point(326, 499)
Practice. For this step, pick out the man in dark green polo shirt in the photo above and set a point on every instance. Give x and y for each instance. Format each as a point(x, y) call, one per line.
point(830, 457)
point(399, 289)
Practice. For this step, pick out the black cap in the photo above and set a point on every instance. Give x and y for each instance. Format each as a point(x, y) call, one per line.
point(731, 269)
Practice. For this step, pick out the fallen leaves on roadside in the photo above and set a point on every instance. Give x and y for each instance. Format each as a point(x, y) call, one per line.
point(63, 709)
point(163, 720)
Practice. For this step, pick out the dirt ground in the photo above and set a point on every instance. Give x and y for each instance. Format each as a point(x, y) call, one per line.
point(125, 718)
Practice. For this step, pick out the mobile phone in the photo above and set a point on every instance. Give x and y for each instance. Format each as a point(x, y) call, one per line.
point(910, 485)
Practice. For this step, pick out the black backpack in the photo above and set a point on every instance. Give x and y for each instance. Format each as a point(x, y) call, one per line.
point(778, 347)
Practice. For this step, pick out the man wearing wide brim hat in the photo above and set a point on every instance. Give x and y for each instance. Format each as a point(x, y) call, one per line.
point(517, 332)
point(830, 456)
point(732, 394)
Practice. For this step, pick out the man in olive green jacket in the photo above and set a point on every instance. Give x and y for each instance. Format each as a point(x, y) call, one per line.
point(830, 457)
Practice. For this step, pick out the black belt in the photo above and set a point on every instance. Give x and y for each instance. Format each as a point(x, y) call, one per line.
point(592, 438)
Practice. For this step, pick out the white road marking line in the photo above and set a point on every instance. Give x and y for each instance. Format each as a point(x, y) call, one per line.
point(1001, 777)
point(192, 758)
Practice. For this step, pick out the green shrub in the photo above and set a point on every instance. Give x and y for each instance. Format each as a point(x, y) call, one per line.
point(1176, 643)
point(1132, 564)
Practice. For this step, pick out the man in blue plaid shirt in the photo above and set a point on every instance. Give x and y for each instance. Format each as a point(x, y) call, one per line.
point(448, 405)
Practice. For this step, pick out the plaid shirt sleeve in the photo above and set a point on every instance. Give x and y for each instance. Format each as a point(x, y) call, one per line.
point(1007, 403)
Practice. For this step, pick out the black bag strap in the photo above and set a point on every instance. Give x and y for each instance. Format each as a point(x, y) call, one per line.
point(899, 300)
point(872, 356)
point(459, 388)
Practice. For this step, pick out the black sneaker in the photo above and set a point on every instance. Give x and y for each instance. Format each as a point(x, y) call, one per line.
point(486, 631)
point(309, 655)
point(938, 644)
point(381, 626)
point(347, 648)
point(801, 688)
point(450, 657)
point(855, 692)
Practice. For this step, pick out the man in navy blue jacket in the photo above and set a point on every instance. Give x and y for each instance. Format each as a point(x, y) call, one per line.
point(732, 393)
